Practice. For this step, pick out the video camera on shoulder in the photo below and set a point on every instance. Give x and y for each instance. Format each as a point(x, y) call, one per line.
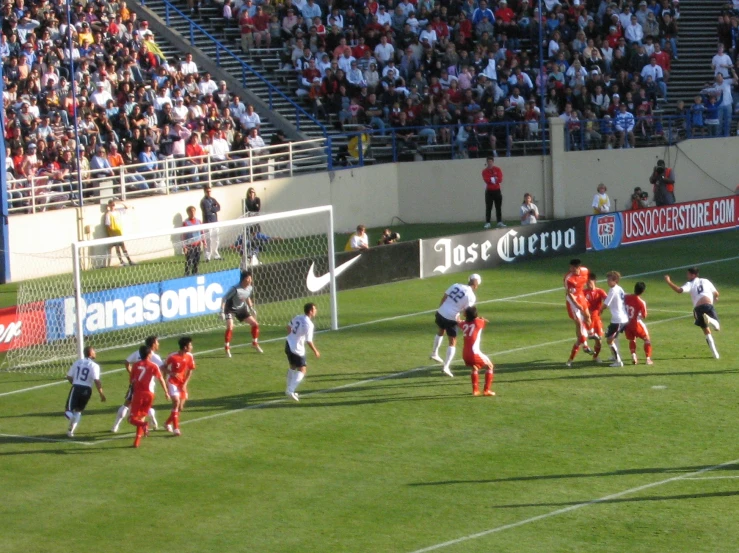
point(388, 237)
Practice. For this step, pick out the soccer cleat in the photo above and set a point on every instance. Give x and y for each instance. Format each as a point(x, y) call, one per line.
point(486, 226)
point(598, 359)
point(435, 357)
point(617, 364)
point(170, 428)
point(228, 351)
point(294, 396)
point(255, 345)
point(715, 355)
point(177, 432)
point(70, 434)
point(114, 429)
point(502, 225)
point(649, 361)
point(569, 363)
point(475, 392)
point(489, 393)
point(447, 371)
point(154, 424)
point(634, 360)
point(587, 350)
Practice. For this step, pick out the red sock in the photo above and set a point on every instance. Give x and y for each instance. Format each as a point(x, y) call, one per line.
point(170, 419)
point(227, 338)
point(255, 332)
point(475, 381)
point(176, 419)
point(648, 348)
point(139, 434)
point(583, 339)
point(632, 346)
point(488, 380)
point(575, 349)
point(597, 348)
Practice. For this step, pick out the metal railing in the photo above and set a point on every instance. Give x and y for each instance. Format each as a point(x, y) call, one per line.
point(273, 91)
point(652, 130)
point(44, 191)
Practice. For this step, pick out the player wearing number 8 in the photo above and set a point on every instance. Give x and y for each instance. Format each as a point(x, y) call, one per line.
point(472, 355)
point(81, 376)
point(456, 299)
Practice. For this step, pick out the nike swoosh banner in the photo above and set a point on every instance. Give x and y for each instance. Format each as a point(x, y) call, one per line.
point(378, 265)
point(491, 248)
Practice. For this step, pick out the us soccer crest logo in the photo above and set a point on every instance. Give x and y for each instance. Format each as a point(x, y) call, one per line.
point(606, 231)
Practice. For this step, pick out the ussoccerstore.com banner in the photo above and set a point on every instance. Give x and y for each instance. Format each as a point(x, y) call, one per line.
point(611, 230)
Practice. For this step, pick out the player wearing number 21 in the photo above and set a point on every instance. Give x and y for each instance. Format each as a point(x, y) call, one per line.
point(472, 355)
point(81, 376)
point(144, 375)
point(299, 333)
point(703, 295)
point(456, 299)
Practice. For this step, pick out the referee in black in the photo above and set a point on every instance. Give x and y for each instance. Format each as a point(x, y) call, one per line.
point(81, 376)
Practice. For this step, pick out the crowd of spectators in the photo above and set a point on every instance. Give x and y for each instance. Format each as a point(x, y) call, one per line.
point(417, 65)
point(134, 106)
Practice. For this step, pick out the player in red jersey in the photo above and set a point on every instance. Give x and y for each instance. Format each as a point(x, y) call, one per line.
point(178, 368)
point(143, 375)
point(636, 308)
point(577, 306)
point(595, 296)
point(473, 357)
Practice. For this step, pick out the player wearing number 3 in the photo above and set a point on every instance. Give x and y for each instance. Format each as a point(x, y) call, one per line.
point(81, 376)
point(455, 300)
point(472, 355)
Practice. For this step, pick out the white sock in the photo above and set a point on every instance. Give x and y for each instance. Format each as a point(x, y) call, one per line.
point(289, 381)
point(712, 345)
point(437, 344)
point(614, 349)
point(298, 379)
point(122, 412)
point(153, 416)
point(450, 351)
point(68, 414)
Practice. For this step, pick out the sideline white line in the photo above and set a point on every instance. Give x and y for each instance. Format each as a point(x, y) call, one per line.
point(39, 439)
point(571, 508)
point(407, 315)
point(362, 383)
point(713, 478)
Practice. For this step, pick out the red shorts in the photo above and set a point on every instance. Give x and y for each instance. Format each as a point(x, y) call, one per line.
point(477, 360)
point(638, 330)
point(140, 404)
point(597, 325)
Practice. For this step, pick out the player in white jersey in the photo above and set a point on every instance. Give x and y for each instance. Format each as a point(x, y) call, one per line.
point(300, 333)
point(82, 374)
point(153, 343)
point(456, 299)
point(619, 317)
point(703, 294)
point(238, 303)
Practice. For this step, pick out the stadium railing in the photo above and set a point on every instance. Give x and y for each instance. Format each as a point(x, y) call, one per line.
point(221, 50)
point(44, 191)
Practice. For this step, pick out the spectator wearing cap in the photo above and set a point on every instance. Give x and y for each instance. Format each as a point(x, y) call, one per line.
point(383, 16)
point(289, 24)
point(101, 96)
point(261, 28)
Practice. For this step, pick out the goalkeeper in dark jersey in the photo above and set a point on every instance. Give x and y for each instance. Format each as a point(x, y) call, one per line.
point(238, 303)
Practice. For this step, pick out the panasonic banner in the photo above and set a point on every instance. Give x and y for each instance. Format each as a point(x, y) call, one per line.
point(491, 248)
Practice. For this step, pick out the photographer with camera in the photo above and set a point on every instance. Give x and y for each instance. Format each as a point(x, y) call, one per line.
point(529, 211)
point(663, 181)
point(639, 199)
point(388, 237)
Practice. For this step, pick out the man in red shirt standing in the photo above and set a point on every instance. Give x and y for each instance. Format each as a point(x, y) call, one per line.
point(178, 367)
point(493, 178)
point(143, 375)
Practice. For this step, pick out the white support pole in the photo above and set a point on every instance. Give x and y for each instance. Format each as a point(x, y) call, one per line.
point(78, 300)
point(332, 271)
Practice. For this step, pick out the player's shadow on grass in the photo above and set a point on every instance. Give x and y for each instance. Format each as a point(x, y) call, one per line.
point(625, 372)
point(59, 413)
point(624, 472)
point(85, 450)
point(620, 500)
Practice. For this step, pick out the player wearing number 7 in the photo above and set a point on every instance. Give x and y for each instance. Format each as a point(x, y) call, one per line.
point(143, 375)
point(472, 355)
point(81, 376)
point(703, 294)
point(456, 299)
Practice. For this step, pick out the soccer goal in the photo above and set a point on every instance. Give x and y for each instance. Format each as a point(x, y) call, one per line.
point(169, 283)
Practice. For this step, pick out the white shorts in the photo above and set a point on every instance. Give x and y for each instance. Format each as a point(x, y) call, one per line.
point(174, 389)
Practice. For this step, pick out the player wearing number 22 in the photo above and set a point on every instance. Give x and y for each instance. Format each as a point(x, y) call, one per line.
point(472, 355)
point(178, 367)
point(81, 376)
point(636, 308)
point(238, 303)
point(144, 376)
point(456, 299)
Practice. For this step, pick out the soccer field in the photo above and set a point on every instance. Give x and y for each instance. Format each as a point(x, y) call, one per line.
point(385, 454)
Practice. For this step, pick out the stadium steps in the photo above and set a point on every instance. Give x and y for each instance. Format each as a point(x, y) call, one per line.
point(697, 42)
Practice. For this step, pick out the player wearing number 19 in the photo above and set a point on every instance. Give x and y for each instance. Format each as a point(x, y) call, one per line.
point(81, 376)
point(143, 374)
point(456, 299)
point(472, 355)
point(300, 332)
point(238, 303)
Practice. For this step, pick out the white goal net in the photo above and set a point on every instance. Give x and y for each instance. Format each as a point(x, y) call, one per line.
point(171, 283)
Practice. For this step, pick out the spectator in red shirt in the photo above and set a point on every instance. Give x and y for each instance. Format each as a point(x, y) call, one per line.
point(493, 178)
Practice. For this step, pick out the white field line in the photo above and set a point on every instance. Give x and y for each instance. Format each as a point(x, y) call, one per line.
point(40, 439)
point(405, 316)
point(571, 508)
point(560, 304)
point(359, 383)
point(712, 478)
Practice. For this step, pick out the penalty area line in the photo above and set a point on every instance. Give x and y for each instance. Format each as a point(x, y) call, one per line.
point(571, 508)
point(40, 439)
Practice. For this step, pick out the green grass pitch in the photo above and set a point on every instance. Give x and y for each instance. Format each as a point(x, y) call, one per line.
point(384, 454)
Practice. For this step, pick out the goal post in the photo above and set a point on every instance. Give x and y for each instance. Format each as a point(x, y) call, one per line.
point(112, 304)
